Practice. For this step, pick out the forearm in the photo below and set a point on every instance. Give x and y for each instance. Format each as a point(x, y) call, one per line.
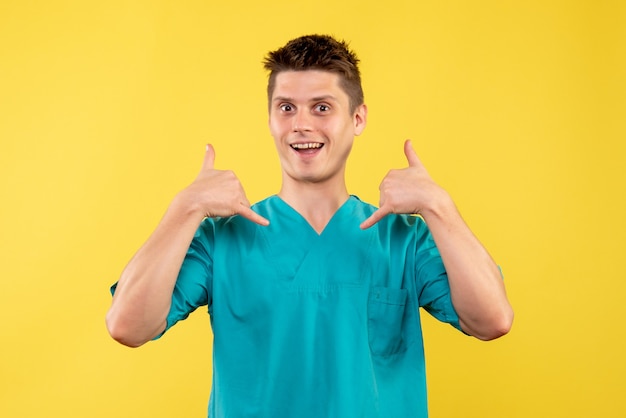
point(144, 291)
point(476, 285)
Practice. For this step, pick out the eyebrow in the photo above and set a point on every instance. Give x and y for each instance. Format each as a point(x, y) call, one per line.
point(313, 99)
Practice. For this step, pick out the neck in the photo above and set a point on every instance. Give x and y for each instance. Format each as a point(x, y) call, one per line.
point(317, 203)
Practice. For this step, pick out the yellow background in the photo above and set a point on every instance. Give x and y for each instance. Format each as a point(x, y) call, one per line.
point(517, 108)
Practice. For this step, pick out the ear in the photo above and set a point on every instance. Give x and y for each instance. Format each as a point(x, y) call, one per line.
point(360, 119)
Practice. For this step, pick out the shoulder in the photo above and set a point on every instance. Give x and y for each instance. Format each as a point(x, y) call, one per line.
point(361, 207)
point(267, 205)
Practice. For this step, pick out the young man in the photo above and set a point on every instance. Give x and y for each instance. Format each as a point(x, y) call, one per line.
point(313, 294)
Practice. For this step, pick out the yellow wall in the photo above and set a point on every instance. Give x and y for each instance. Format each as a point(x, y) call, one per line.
point(517, 108)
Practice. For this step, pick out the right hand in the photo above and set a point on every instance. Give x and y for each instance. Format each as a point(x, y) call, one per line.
point(218, 193)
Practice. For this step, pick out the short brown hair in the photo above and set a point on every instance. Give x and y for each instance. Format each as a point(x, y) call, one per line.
point(317, 52)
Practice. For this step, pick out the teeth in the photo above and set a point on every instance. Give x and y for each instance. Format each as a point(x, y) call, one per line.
point(309, 145)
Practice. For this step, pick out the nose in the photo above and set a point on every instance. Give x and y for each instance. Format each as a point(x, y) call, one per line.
point(302, 121)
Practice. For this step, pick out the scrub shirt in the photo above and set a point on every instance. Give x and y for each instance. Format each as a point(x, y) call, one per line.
point(315, 325)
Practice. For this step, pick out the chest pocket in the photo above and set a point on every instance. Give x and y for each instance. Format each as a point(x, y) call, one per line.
point(385, 313)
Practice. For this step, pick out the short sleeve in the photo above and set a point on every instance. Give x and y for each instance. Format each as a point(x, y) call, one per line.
point(431, 278)
point(193, 285)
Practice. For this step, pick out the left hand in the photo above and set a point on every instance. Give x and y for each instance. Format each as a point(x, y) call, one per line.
point(408, 191)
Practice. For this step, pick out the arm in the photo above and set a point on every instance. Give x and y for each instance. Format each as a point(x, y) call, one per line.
point(143, 295)
point(476, 286)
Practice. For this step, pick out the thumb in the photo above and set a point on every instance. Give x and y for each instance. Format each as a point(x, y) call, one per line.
point(411, 156)
point(209, 158)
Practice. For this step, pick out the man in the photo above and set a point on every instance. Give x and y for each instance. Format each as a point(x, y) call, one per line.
point(313, 294)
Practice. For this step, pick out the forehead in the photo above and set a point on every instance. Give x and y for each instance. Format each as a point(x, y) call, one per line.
point(308, 84)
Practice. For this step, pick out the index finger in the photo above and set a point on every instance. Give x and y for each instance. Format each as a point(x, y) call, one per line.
point(251, 215)
point(375, 217)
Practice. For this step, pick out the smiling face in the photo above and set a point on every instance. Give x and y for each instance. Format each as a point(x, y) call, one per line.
point(312, 125)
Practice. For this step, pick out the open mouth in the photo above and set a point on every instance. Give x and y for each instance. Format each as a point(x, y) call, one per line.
point(307, 147)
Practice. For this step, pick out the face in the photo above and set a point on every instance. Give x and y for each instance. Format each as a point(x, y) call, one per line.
point(312, 125)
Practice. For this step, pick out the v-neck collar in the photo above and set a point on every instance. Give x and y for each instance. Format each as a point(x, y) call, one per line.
point(329, 225)
point(293, 247)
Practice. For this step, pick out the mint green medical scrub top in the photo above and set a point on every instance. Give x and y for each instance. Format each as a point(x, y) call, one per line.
point(315, 325)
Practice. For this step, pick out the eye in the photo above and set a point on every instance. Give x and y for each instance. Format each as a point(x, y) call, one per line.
point(286, 107)
point(322, 107)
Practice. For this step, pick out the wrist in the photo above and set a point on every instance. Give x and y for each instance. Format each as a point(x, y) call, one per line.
point(185, 206)
point(439, 206)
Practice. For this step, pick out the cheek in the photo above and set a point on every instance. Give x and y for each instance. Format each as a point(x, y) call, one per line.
point(274, 127)
point(344, 129)
point(278, 122)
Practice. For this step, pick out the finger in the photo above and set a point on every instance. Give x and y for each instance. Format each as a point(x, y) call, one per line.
point(251, 215)
point(209, 158)
point(375, 217)
point(411, 155)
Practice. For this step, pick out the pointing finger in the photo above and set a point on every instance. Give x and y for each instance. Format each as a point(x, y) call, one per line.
point(209, 158)
point(251, 215)
point(375, 217)
point(411, 155)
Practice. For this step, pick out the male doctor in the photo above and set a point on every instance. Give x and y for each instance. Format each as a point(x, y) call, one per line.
point(313, 295)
